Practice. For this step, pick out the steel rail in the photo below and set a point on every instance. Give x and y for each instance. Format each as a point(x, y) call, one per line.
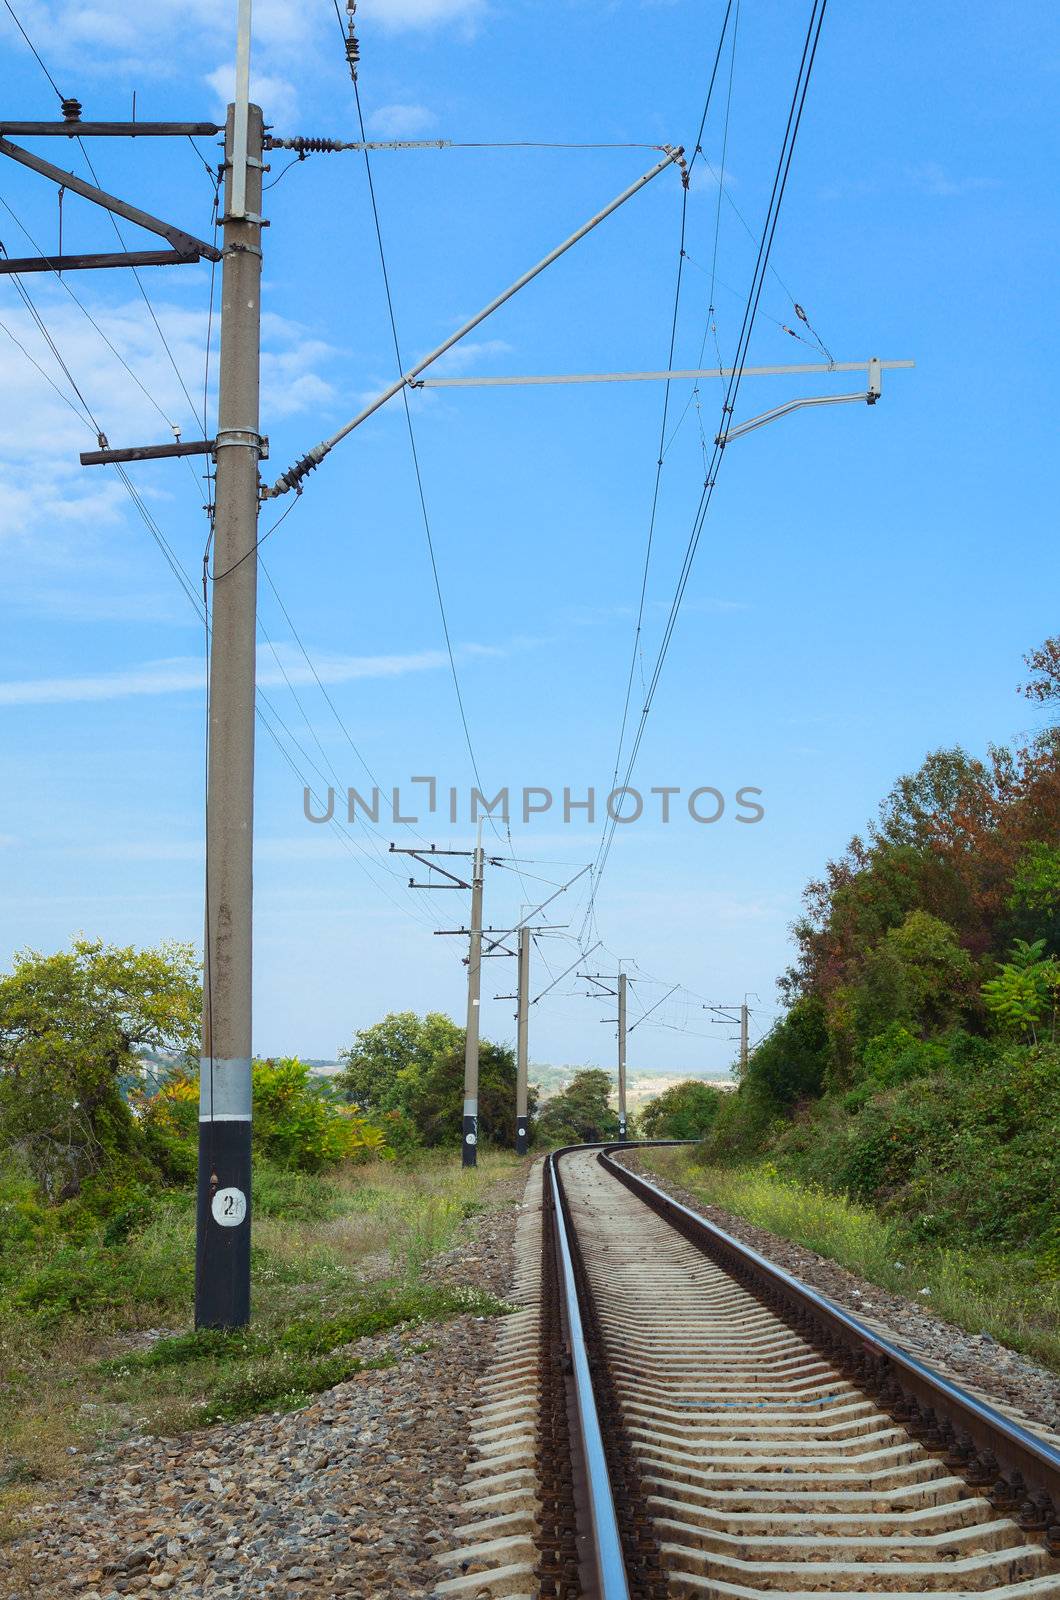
point(998, 1454)
point(610, 1575)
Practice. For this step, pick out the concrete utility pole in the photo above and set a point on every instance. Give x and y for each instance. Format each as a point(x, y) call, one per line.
point(222, 1263)
point(522, 1060)
point(427, 856)
point(622, 1056)
point(222, 1259)
point(724, 1015)
point(621, 983)
point(469, 1146)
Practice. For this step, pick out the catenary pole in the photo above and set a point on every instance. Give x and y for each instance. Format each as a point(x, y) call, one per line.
point(522, 1062)
point(622, 1056)
point(222, 1262)
point(743, 1039)
point(469, 1145)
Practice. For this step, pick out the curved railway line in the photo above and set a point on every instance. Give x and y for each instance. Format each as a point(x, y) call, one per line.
point(673, 1415)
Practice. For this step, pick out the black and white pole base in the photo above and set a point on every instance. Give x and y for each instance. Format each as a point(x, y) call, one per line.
point(522, 1137)
point(222, 1255)
point(469, 1147)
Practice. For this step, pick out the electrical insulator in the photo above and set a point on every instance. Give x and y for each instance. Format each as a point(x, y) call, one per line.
point(353, 49)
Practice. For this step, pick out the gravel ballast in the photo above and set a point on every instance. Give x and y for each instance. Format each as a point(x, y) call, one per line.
point(351, 1496)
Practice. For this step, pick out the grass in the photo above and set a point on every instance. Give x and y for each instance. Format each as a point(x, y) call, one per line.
point(335, 1260)
point(1000, 1293)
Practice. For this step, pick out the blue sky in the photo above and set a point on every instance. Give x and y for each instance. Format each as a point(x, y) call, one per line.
point(865, 587)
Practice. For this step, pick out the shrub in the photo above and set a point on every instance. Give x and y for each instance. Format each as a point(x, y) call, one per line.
point(298, 1122)
point(966, 1155)
point(743, 1126)
point(896, 1056)
point(789, 1065)
point(684, 1111)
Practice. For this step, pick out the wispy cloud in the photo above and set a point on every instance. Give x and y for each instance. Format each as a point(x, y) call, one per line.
point(276, 667)
point(927, 177)
point(708, 178)
point(406, 15)
point(401, 121)
point(311, 846)
point(156, 677)
point(593, 616)
point(930, 177)
point(709, 605)
point(88, 605)
point(469, 353)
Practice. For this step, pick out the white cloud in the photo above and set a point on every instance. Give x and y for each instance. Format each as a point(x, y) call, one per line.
point(401, 15)
point(68, 532)
point(930, 177)
point(158, 677)
point(707, 605)
point(288, 379)
point(707, 177)
point(159, 40)
point(314, 845)
point(466, 355)
point(276, 94)
point(81, 605)
point(181, 673)
point(400, 121)
point(587, 616)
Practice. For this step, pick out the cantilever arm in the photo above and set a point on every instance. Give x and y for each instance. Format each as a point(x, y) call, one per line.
point(869, 396)
point(294, 475)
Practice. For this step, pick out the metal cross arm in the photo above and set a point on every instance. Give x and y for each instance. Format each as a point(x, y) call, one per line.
point(74, 128)
point(870, 396)
point(185, 247)
point(294, 474)
point(425, 855)
point(498, 935)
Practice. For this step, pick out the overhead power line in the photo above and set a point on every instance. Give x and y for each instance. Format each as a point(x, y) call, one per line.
point(661, 452)
point(351, 53)
point(780, 180)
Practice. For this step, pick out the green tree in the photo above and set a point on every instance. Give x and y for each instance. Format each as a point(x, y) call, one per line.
point(790, 1063)
point(387, 1061)
point(1025, 990)
point(1034, 899)
point(919, 974)
point(581, 1113)
point(71, 1025)
point(436, 1102)
point(684, 1111)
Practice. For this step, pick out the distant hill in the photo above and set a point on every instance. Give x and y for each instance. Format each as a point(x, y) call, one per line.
point(642, 1083)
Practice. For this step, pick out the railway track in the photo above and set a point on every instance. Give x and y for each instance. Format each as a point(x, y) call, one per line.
point(704, 1425)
